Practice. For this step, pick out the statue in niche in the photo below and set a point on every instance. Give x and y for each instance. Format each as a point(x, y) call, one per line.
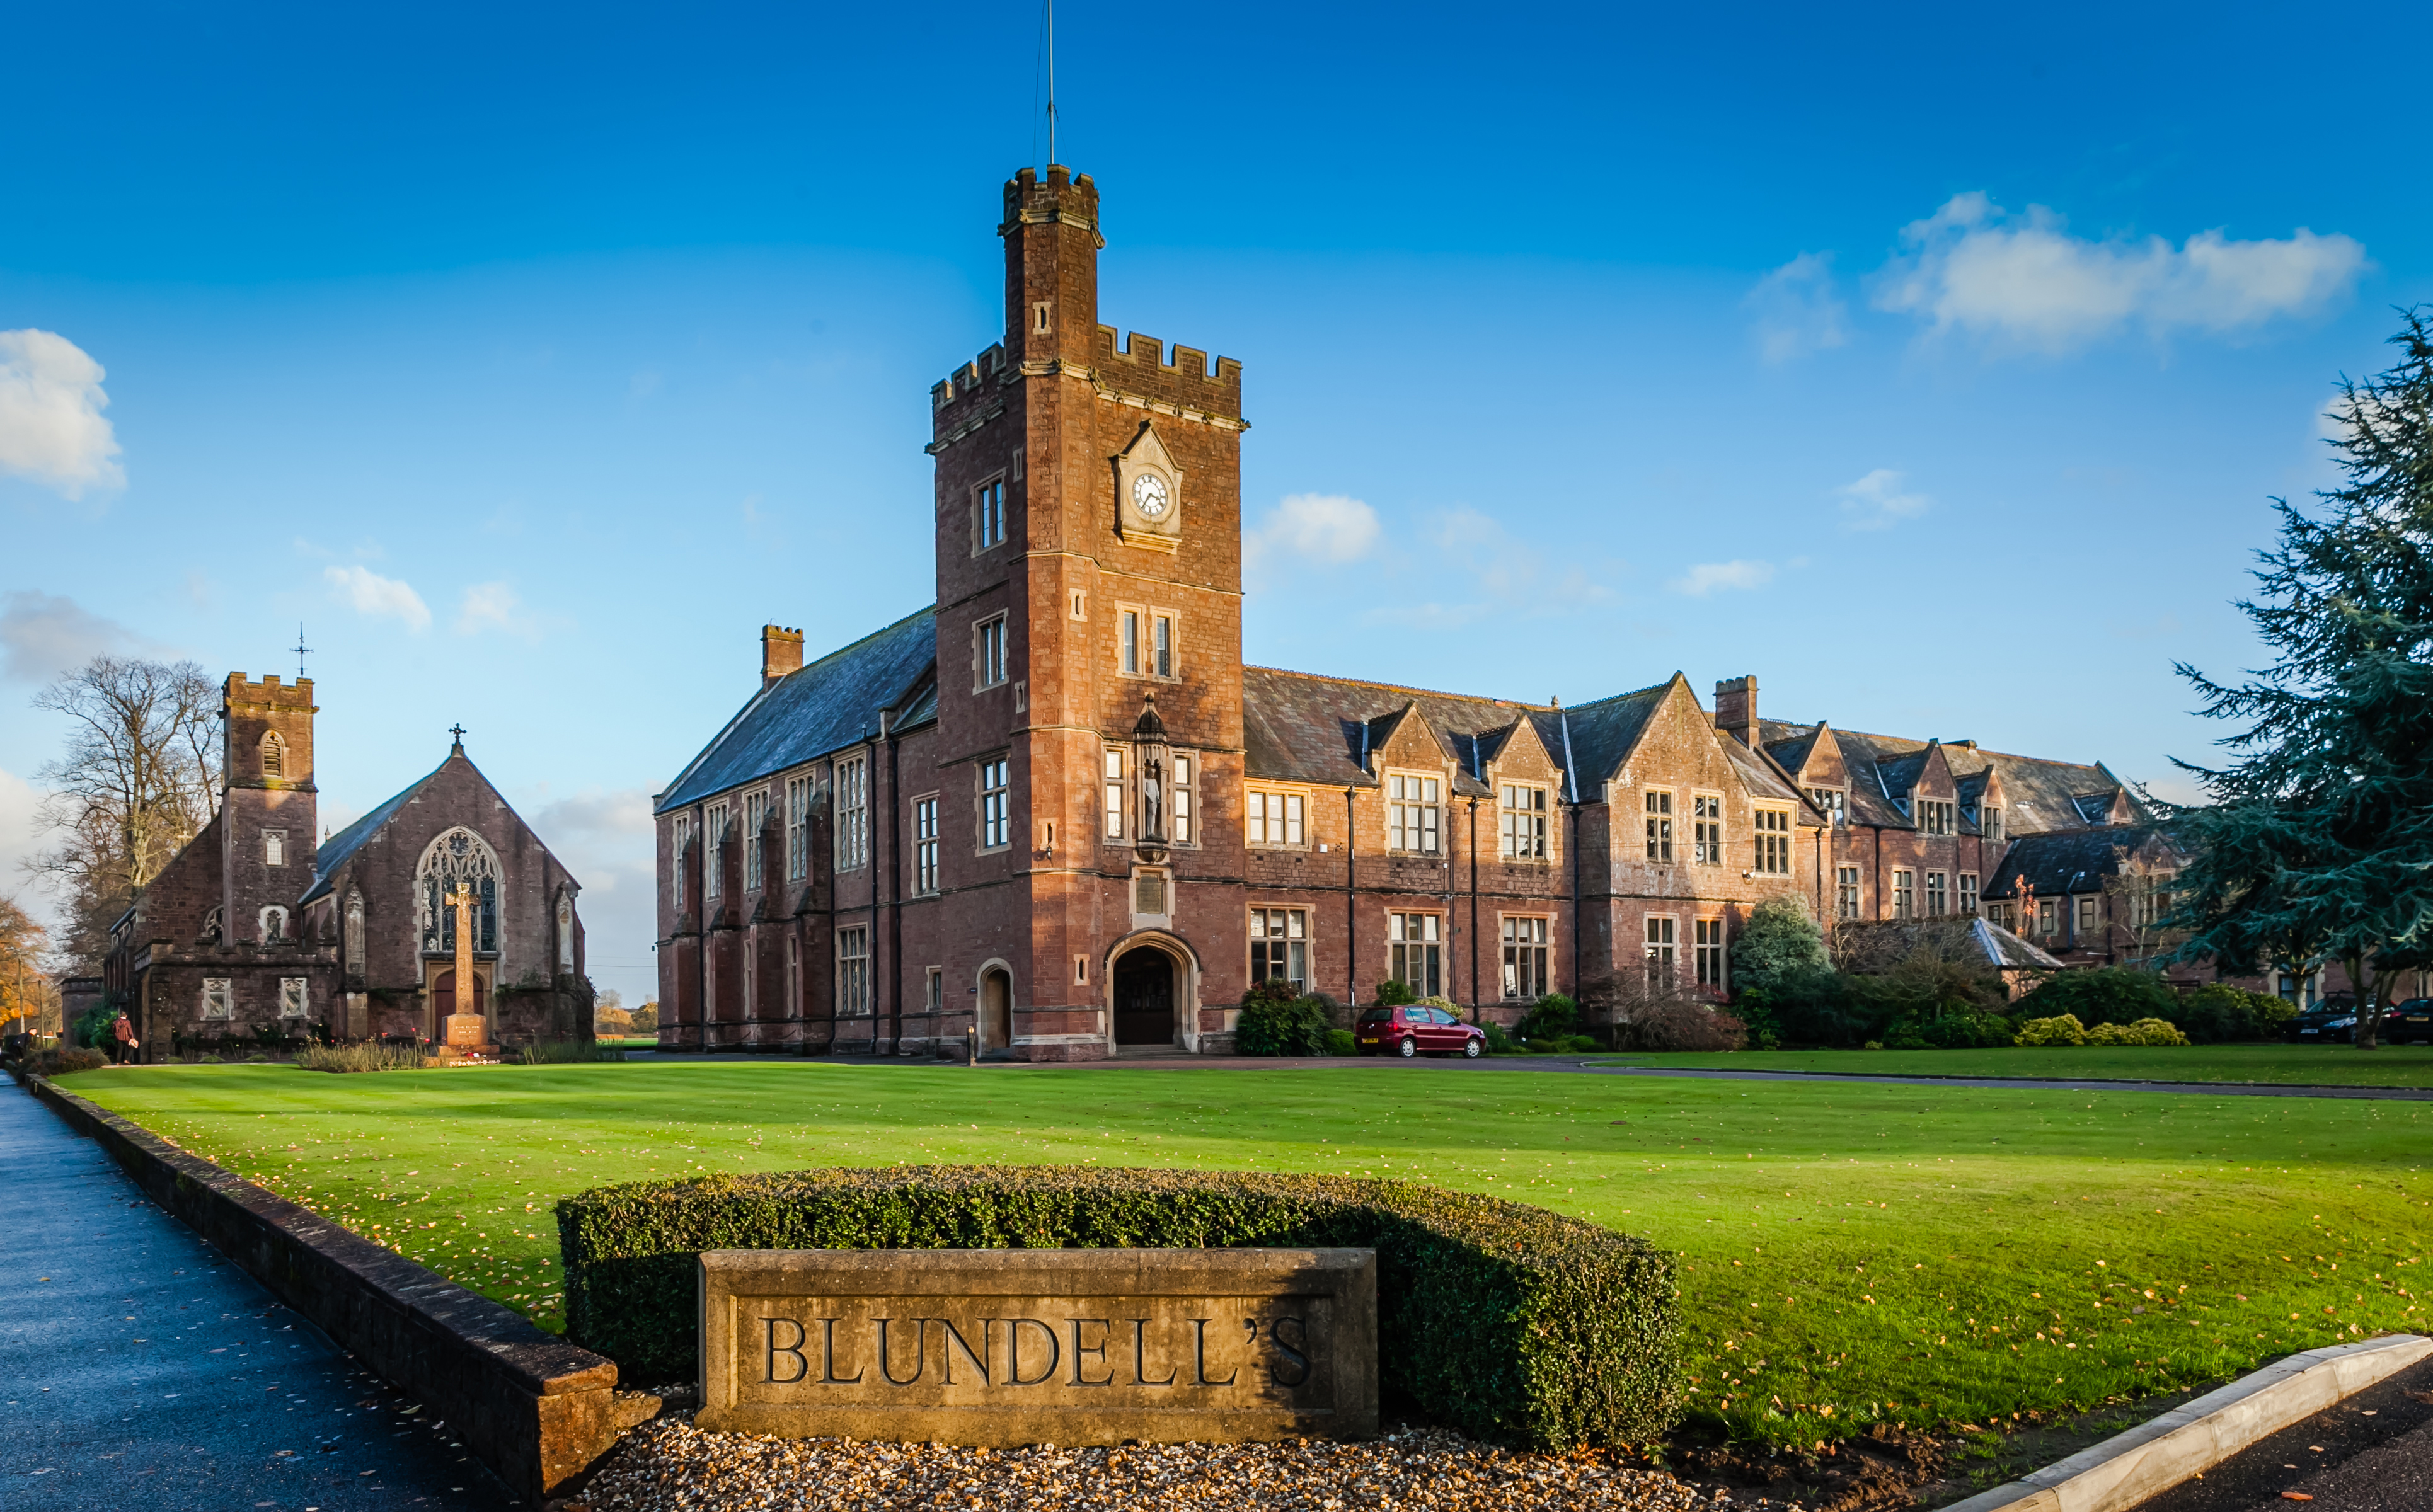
point(1153, 800)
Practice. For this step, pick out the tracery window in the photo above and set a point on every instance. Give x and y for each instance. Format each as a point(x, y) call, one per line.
point(458, 857)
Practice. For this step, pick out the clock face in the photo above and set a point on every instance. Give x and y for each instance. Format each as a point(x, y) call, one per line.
point(1148, 496)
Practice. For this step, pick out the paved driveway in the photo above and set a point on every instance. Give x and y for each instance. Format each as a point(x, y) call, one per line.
point(141, 1372)
point(2372, 1452)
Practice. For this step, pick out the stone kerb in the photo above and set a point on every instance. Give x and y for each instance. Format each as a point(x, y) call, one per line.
point(535, 1408)
point(1010, 1347)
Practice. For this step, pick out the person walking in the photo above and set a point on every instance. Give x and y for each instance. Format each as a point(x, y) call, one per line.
point(122, 1040)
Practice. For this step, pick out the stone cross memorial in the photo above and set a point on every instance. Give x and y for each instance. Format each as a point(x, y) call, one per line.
point(1007, 1347)
point(466, 1030)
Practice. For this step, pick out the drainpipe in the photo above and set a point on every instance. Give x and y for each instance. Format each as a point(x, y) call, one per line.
point(701, 933)
point(1880, 872)
point(1474, 913)
point(896, 892)
point(1350, 902)
point(1572, 786)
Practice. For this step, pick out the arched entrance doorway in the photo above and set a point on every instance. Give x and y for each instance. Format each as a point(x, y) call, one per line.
point(1144, 985)
point(997, 1010)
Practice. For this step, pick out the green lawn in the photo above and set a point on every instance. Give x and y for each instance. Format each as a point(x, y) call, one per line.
point(2320, 1065)
point(1853, 1252)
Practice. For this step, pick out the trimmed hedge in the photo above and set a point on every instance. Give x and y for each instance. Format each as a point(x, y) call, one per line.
point(1514, 1324)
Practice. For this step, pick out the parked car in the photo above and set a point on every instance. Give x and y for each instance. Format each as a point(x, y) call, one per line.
point(1416, 1030)
point(2411, 1021)
point(2325, 1023)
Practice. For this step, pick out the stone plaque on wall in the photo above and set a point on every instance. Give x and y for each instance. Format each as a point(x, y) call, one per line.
point(1006, 1347)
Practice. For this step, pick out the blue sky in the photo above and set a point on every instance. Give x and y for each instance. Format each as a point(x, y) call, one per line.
point(1933, 366)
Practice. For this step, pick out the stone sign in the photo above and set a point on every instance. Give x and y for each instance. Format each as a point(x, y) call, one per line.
point(1006, 1347)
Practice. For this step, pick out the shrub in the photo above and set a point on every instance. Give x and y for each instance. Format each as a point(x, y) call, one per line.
point(1551, 1016)
point(65, 1060)
point(2218, 1012)
point(1295, 1026)
point(1579, 1043)
point(567, 1052)
point(1783, 983)
point(1393, 992)
point(1510, 1324)
point(2101, 995)
point(1677, 1023)
point(2144, 1031)
point(358, 1057)
point(1499, 1043)
point(1955, 1031)
point(92, 1026)
point(2065, 1030)
point(1339, 1042)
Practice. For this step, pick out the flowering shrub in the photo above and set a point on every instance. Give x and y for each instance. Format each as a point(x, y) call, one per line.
point(2144, 1031)
point(2065, 1030)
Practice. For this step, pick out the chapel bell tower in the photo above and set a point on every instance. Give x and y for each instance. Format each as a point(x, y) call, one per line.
point(269, 814)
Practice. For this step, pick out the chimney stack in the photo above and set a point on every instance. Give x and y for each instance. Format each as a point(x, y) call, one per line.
point(781, 651)
point(1736, 708)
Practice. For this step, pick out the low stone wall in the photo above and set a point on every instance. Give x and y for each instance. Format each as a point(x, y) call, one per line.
point(535, 1408)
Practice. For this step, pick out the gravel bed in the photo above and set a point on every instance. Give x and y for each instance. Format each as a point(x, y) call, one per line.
point(668, 1463)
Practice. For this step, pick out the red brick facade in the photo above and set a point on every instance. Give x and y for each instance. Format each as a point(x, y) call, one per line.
point(1058, 813)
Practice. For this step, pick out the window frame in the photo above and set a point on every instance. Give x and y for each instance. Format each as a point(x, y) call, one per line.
point(274, 847)
point(992, 652)
point(994, 804)
point(987, 513)
point(1772, 831)
point(1416, 814)
point(1655, 804)
point(1969, 902)
point(1524, 830)
point(1275, 819)
point(1707, 829)
point(1525, 944)
point(1115, 789)
point(756, 818)
point(1291, 948)
point(1710, 951)
point(1165, 645)
point(1904, 893)
point(1938, 894)
point(1426, 950)
point(1849, 895)
point(925, 846)
point(713, 848)
point(1663, 946)
point(852, 808)
point(798, 828)
point(680, 840)
point(1181, 782)
point(854, 997)
point(1127, 641)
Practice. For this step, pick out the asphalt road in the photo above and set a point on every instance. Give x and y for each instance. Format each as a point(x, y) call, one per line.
point(142, 1372)
point(2372, 1452)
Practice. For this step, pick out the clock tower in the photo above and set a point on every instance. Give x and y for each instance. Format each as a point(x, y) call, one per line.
point(1089, 560)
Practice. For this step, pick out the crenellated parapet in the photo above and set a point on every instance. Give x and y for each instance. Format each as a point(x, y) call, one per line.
point(1141, 370)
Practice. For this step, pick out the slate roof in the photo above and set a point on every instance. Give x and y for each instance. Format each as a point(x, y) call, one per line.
point(335, 851)
point(828, 704)
point(2039, 795)
point(1298, 727)
point(2072, 861)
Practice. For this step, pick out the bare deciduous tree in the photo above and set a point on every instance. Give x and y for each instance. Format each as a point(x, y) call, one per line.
point(139, 777)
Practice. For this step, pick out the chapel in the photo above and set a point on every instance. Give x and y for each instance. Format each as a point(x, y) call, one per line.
point(1054, 815)
point(252, 930)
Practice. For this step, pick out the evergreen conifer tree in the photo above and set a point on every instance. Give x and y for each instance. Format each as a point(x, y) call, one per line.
point(2316, 842)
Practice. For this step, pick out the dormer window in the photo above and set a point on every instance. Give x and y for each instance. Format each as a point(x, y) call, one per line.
point(1833, 802)
point(1936, 816)
point(1989, 822)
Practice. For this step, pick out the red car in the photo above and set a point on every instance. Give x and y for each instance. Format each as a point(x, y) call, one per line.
point(1414, 1029)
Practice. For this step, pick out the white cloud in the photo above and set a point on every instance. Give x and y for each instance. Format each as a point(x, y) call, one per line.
point(22, 837)
point(494, 606)
point(1491, 571)
point(377, 596)
point(43, 635)
point(51, 425)
point(2025, 281)
point(1797, 308)
point(606, 838)
point(1707, 577)
point(1878, 501)
point(1326, 529)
